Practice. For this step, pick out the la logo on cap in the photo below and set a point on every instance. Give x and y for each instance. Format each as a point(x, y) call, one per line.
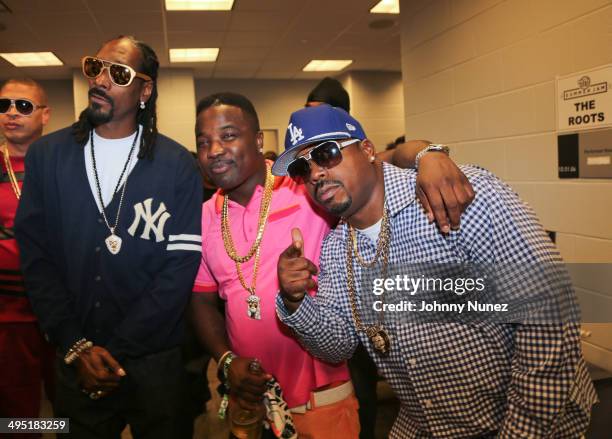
point(296, 133)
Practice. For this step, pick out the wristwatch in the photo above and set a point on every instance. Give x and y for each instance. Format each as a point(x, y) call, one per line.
point(437, 147)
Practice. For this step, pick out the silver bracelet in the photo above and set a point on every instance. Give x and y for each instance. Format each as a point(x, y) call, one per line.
point(437, 147)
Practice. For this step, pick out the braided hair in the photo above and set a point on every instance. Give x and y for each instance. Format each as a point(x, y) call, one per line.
point(146, 117)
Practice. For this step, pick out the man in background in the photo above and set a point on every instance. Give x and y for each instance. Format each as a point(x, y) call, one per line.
point(26, 358)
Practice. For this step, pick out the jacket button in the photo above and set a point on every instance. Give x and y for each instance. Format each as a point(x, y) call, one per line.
point(98, 278)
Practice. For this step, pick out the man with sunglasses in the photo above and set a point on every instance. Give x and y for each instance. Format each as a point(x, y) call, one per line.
point(26, 358)
point(476, 375)
point(109, 232)
point(245, 228)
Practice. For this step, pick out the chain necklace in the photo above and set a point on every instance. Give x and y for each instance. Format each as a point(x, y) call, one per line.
point(113, 242)
point(253, 301)
point(376, 333)
point(10, 172)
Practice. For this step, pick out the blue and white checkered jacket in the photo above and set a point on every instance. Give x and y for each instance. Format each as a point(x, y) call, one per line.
point(457, 380)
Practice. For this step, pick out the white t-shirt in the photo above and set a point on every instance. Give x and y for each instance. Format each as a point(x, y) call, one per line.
point(372, 231)
point(111, 155)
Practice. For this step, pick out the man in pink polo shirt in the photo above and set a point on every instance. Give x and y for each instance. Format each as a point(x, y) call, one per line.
point(245, 226)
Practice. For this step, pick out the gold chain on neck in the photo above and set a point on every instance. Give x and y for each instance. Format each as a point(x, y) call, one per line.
point(382, 249)
point(228, 242)
point(10, 172)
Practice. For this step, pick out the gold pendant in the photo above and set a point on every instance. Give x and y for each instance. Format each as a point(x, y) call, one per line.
point(113, 243)
point(379, 339)
point(254, 310)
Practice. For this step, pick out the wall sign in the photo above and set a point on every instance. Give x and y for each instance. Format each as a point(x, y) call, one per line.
point(586, 154)
point(584, 101)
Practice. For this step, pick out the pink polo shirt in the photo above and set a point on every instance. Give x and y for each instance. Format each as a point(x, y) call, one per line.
point(268, 340)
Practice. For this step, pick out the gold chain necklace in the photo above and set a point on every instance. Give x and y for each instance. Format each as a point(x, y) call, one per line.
point(10, 172)
point(376, 333)
point(253, 301)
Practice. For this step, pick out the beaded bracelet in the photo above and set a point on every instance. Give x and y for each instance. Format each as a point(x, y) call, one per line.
point(222, 373)
point(224, 364)
point(76, 350)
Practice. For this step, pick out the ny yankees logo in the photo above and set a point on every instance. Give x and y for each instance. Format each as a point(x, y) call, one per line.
point(296, 133)
point(143, 211)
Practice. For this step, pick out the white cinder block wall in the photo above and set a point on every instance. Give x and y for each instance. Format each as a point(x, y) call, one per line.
point(377, 103)
point(480, 75)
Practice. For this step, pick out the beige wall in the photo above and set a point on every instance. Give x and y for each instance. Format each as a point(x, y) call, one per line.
point(176, 105)
point(480, 75)
point(59, 93)
point(377, 102)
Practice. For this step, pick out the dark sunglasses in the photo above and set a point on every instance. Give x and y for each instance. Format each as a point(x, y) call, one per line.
point(23, 106)
point(326, 155)
point(119, 74)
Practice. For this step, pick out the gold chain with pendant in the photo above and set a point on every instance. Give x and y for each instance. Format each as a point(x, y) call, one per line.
point(378, 336)
point(228, 241)
point(10, 172)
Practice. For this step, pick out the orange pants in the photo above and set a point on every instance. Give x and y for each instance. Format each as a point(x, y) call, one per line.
point(340, 420)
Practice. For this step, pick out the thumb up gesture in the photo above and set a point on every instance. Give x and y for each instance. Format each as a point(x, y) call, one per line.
point(295, 272)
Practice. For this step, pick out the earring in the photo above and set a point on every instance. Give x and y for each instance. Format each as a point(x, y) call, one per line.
point(142, 105)
point(372, 158)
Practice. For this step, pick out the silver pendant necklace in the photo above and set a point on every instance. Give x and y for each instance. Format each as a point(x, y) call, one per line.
point(113, 242)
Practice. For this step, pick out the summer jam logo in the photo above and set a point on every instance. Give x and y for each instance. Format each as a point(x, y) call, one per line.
point(585, 88)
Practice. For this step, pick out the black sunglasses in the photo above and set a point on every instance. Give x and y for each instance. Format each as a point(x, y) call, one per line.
point(120, 74)
point(326, 155)
point(24, 107)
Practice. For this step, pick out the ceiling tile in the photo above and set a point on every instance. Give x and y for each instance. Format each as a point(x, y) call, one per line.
point(131, 23)
point(69, 23)
point(260, 21)
point(195, 39)
point(237, 73)
point(250, 39)
point(242, 54)
point(268, 5)
point(45, 6)
point(197, 21)
point(268, 39)
point(123, 6)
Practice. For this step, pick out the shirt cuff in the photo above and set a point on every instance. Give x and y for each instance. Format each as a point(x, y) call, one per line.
point(204, 288)
point(302, 319)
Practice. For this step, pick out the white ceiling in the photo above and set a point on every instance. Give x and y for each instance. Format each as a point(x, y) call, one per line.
point(258, 38)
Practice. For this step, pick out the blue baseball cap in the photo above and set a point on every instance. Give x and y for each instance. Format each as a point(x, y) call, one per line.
point(315, 124)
